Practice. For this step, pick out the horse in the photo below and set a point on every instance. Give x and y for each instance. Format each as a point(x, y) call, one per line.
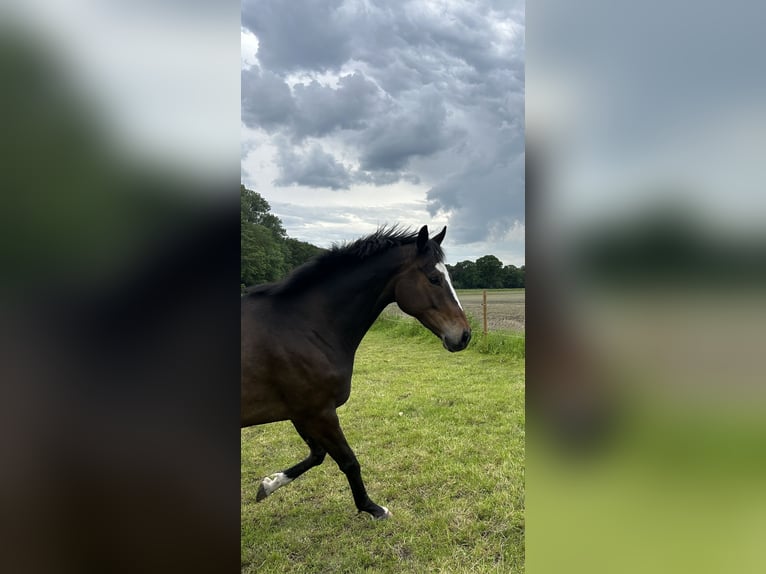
point(299, 337)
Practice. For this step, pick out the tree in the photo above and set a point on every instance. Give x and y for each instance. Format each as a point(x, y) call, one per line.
point(513, 277)
point(489, 272)
point(253, 209)
point(298, 252)
point(486, 273)
point(463, 275)
point(266, 253)
point(262, 256)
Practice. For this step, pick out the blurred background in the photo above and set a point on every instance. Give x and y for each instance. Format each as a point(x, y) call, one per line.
point(646, 239)
point(118, 320)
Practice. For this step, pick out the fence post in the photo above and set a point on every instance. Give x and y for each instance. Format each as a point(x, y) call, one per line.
point(484, 309)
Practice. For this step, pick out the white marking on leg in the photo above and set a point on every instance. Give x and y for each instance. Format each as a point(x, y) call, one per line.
point(441, 267)
point(270, 484)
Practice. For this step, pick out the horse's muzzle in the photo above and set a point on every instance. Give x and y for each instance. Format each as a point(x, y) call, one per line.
point(454, 345)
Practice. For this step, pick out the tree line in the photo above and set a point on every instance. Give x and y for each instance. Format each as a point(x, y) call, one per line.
point(486, 272)
point(267, 254)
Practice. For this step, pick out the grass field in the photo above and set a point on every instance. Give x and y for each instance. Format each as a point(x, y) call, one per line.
point(440, 437)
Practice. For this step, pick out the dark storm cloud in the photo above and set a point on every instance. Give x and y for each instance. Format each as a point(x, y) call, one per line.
point(266, 99)
point(310, 109)
point(299, 34)
point(484, 195)
point(484, 201)
point(424, 93)
point(384, 177)
point(312, 168)
point(416, 129)
point(320, 110)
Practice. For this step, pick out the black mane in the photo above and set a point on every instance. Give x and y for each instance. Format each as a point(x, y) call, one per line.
point(342, 255)
point(382, 240)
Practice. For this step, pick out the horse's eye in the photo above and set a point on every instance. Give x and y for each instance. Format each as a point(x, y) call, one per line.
point(435, 279)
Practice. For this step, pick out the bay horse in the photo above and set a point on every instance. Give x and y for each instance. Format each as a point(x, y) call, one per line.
point(299, 337)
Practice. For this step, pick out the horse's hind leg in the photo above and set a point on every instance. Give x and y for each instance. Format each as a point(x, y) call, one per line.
point(326, 430)
point(315, 458)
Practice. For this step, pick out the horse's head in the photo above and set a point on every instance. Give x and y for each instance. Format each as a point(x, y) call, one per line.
point(424, 290)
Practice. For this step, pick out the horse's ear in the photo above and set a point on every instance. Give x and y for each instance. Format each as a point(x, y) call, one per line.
point(422, 238)
point(440, 236)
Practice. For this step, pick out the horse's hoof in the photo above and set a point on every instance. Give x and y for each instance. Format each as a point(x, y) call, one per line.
point(270, 484)
point(386, 514)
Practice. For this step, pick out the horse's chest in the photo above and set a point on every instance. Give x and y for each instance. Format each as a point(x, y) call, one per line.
point(315, 376)
point(335, 380)
point(343, 392)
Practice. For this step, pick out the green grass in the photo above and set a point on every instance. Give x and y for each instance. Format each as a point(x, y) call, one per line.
point(507, 344)
point(440, 437)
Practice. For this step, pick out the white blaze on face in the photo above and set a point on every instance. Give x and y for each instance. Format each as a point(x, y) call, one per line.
point(442, 268)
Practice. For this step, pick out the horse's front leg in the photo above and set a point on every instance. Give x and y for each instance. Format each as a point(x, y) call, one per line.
point(326, 430)
point(315, 458)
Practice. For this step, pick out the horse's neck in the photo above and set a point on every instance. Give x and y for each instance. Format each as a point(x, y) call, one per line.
point(353, 304)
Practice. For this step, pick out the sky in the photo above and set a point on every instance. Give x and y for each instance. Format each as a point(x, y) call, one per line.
point(362, 113)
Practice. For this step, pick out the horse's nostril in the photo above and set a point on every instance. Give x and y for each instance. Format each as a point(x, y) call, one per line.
point(466, 337)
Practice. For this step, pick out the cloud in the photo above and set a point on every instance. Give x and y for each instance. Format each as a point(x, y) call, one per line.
point(484, 202)
point(484, 193)
point(380, 177)
point(266, 99)
point(416, 128)
point(313, 168)
point(308, 109)
point(322, 110)
point(300, 34)
point(409, 91)
point(324, 224)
